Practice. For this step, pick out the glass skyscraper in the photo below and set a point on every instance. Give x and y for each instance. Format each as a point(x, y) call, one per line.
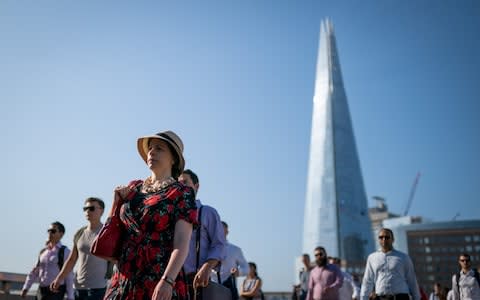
point(336, 211)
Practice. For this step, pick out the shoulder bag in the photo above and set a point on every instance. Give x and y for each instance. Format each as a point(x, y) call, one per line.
point(108, 242)
point(213, 291)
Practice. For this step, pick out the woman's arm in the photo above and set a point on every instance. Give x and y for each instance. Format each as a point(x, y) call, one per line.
point(255, 291)
point(181, 240)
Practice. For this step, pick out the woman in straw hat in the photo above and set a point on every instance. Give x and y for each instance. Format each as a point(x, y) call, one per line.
point(158, 214)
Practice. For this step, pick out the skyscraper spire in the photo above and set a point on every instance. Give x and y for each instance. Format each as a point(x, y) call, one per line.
point(336, 211)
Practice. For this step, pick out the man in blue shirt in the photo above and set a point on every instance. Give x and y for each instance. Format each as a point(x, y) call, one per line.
point(212, 240)
point(233, 265)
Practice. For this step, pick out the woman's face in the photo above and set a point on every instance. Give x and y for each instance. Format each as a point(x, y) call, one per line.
point(252, 270)
point(159, 156)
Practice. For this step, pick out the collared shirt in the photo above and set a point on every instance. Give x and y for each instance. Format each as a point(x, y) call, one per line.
point(212, 239)
point(321, 278)
point(469, 289)
point(390, 273)
point(450, 295)
point(45, 272)
point(304, 276)
point(233, 259)
point(349, 289)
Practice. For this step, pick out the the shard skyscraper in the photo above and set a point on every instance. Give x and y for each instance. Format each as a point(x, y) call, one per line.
point(336, 211)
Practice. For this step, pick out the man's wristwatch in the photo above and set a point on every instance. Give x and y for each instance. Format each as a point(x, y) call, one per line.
point(168, 280)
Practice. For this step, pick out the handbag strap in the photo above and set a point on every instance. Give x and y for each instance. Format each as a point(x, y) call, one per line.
point(197, 242)
point(197, 245)
point(133, 185)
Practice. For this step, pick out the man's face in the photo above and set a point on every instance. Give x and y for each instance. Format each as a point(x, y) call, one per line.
point(187, 180)
point(306, 260)
point(385, 239)
point(54, 234)
point(464, 262)
point(93, 211)
point(320, 258)
point(225, 230)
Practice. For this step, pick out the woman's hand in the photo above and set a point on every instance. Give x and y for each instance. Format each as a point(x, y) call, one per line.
point(120, 193)
point(162, 291)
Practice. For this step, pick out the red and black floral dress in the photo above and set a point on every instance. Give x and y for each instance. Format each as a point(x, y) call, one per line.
point(150, 224)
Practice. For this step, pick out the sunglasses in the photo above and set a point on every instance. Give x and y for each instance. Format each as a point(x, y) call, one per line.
point(319, 254)
point(52, 231)
point(384, 237)
point(89, 208)
point(465, 260)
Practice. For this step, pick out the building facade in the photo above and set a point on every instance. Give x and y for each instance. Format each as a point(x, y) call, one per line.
point(435, 247)
point(336, 211)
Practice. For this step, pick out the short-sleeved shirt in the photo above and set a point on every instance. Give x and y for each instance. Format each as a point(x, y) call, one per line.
point(91, 270)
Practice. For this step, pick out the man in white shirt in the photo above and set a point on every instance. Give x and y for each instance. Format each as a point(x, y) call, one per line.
point(302, 288)
point(467, 287)
point(232, 266)
point(349, 289)
point(390, 272)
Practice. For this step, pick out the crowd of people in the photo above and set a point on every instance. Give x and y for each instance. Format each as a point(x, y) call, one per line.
point(174, 247)
point(389, 275)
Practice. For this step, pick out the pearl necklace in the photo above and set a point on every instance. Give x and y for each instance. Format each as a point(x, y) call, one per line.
point(150, 186)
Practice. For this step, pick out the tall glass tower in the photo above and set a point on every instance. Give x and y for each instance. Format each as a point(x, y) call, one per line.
point(336, 211)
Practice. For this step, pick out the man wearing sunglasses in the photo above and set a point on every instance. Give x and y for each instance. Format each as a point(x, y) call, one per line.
point(325, 279)
point(49, 263)
point(466, 284)
point(92, 271)
point(390, 272)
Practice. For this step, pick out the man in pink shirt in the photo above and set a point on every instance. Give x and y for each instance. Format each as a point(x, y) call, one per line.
point(325, 279)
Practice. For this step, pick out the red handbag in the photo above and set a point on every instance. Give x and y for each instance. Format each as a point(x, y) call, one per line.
point(108, 243)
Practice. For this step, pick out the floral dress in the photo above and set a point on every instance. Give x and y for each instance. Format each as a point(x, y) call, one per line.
point(150, 224)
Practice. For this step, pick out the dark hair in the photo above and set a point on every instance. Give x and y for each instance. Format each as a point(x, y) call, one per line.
point(319, 248)
point(224, 224)
point(464, 255)
point(389, 231)
point(176, 165)
point(60, 226)
point(176, 160)
point(95, 199)
point(254, 266)
point(192, 175)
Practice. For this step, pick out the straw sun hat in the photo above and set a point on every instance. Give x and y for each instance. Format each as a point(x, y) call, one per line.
point(173, 140)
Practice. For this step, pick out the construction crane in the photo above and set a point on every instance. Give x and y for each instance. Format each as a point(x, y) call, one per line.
point(412, 194)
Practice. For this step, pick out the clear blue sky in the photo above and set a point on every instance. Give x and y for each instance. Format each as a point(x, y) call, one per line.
point(81, 80)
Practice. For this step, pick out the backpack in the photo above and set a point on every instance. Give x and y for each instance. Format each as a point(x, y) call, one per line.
point(77, 236)
point(475, 274)
point(61, 256)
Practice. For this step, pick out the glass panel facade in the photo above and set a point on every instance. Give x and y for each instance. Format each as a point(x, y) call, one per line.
point(336, 212)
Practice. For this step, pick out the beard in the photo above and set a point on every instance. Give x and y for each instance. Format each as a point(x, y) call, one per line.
point(322, 262)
